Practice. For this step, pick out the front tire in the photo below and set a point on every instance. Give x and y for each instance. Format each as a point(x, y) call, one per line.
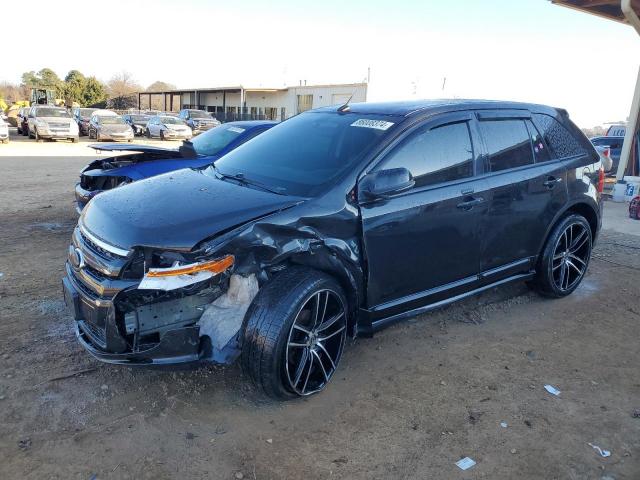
point(565, 257)
point(294, 333)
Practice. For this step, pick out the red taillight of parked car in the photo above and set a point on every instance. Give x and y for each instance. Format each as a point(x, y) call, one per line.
point(600, 180)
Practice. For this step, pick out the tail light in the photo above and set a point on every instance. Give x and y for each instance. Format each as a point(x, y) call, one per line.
point(600, 186)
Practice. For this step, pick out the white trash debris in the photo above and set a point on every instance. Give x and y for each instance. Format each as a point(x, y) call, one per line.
point(223, 318)
point(465, 463)
point(602, 452)
point(552, 390)
point(503, 424)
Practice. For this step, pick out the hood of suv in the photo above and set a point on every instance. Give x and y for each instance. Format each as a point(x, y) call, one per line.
point(176, 210)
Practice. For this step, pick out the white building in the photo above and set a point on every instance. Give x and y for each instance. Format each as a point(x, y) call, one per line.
point(242, 103)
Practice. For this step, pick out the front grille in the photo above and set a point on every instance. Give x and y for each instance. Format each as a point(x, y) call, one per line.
point(105, 254)
point(78, 283)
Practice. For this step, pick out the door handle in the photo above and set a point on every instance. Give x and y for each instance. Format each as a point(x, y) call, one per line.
point(552, 182)
point(469, 204)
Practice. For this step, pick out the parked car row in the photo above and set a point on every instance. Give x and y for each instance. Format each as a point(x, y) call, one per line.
point(332, 224)
point(103, 124)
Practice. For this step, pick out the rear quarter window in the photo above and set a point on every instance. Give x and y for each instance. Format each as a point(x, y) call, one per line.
point(561, 142)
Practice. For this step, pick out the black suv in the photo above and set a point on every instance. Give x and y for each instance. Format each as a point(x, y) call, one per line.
point(334, 223)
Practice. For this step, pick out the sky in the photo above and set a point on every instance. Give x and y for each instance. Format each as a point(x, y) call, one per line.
point(524, 50)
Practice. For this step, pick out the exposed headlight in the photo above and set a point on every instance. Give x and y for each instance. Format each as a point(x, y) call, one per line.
point(180, 275)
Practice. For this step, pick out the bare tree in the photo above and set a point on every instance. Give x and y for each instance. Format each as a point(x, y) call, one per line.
point(122, 84)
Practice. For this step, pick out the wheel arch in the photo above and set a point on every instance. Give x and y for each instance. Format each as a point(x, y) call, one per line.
point(332, 265)
point(580, 207)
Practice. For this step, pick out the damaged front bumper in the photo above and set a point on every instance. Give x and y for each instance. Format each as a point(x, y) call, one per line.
point(118, 322)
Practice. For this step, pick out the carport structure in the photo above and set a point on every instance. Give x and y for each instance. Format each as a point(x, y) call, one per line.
point(625, 11)
point(193, 96)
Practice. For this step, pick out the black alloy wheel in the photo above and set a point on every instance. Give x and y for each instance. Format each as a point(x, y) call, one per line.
point(571, 256)
point(294, 333)
point(315, 344)
point(565, 258)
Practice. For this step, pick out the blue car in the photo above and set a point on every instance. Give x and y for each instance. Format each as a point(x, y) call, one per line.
point(146, 161)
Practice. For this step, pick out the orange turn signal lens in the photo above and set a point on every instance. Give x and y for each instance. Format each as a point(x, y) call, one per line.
point(213, 266)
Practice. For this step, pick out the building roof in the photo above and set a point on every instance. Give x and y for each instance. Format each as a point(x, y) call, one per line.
point(604, 8)
point(238, 88)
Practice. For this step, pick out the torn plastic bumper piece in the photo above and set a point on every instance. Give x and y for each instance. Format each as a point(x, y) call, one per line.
point(176, 346)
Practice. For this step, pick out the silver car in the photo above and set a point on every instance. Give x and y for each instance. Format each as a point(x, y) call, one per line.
point(110, 127)
point(168, 128)
point(53, 123)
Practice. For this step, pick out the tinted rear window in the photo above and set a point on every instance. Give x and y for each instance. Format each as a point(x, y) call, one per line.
point(558, 138)
point(507, 143)
point(434, 156)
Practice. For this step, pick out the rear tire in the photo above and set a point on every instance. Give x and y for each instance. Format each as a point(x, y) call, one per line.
point(565, 257)
point(294, 333)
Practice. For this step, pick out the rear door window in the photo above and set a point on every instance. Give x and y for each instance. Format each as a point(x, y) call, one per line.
point(557, 137)
point(508, 144)
point(437, 155)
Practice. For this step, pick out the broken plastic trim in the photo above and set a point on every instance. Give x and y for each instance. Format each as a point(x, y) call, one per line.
point(179, 276)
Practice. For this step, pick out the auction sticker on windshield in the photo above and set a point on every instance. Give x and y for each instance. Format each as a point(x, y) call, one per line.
point(377, 124)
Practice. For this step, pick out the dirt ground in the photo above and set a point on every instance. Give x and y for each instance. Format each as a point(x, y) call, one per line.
point(406, 404)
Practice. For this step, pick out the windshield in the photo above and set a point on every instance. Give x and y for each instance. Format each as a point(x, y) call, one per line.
point(171, 121)
point(140, 118)
point(87, 112)
point(198, 114)
point(305, 154)
point(52, 112)
point(111, 120)
point(214, 141)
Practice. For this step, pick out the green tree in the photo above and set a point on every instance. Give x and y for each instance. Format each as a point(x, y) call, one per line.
point(45, 78)
point(74, 87)
point(94, 92)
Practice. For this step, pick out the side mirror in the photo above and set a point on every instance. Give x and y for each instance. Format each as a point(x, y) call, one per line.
point(383, 183)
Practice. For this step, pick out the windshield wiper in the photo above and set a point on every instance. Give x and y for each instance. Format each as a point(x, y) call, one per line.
point(240, 178)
